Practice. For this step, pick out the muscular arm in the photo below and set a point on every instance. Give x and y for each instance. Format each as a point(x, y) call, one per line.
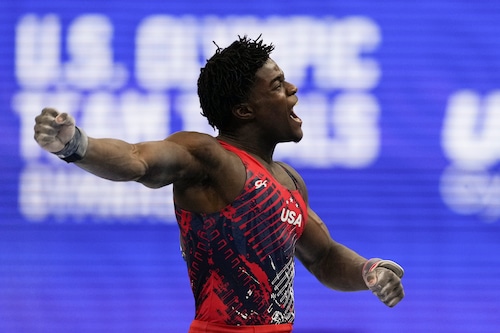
point(332, 263)
point(154, 164)
point(340, 268)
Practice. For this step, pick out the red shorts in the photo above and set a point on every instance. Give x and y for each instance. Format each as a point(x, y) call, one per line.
point(198, 326)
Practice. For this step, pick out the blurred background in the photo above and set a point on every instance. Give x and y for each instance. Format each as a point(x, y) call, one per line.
point(401, 108)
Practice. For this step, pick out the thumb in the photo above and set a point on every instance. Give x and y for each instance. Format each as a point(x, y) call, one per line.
point(371, 279)
point(64, 119)
point(370, 270)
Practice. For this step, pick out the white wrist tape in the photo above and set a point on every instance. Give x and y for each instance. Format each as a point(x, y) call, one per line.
point(373, 263)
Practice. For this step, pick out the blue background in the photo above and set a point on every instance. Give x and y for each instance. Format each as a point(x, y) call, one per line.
point(118, 275)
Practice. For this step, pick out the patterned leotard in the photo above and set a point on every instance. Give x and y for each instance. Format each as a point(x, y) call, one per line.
point(241, 259)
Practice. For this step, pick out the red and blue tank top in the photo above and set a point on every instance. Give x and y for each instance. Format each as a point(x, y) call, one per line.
point(241, 259)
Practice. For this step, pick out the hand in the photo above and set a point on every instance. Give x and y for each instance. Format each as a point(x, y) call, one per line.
point(53, 130)
point(383, 278)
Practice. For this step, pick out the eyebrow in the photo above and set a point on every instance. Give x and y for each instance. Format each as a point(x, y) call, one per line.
point(280, 77)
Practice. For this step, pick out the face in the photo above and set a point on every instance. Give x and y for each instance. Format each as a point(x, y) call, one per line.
point(272, 100)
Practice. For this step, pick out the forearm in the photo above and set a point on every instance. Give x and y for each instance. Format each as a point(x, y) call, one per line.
point(154, 164)
point(332, 263)
point(340, 269)
point(112, 159)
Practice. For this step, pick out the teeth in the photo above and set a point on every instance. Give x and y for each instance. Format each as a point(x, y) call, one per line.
point(295, 118)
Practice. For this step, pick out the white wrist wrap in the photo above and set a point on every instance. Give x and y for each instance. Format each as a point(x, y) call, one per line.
point(373, 263)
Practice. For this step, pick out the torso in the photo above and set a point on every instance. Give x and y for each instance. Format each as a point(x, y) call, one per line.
point(241, 257)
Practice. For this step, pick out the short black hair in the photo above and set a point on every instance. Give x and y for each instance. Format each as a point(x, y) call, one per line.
point(228, 76)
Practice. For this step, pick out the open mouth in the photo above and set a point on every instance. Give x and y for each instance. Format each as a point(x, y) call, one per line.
point(295, 118)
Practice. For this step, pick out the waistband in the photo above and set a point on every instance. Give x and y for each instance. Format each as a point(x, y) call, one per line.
point(198, 326)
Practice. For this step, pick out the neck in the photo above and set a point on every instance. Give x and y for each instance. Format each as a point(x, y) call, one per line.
point(260, 149)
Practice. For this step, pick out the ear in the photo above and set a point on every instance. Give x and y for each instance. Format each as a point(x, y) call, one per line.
point(243, 111)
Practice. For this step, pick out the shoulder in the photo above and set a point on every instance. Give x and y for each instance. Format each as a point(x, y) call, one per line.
point(214, 176)
point(192, 140)
point(201, 146)
point(207, 155)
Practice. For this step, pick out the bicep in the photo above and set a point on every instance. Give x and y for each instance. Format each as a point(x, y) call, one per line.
point(166, 162)
point(315, 241)
point(316, 249)
point(335, 265)
point(154, 163)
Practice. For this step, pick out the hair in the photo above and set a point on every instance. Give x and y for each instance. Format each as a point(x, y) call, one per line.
point(227, 78)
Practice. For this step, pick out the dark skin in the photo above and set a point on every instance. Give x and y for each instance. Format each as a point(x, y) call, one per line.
point(206, 177)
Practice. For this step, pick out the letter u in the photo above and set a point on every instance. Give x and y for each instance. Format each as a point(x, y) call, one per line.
point(284, 214)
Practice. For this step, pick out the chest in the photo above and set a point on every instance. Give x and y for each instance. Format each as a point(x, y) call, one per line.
point(270, 203)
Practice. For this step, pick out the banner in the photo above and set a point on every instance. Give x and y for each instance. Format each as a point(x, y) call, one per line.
point(400, 105)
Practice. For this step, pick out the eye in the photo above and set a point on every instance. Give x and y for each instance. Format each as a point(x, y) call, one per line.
point(279, 84)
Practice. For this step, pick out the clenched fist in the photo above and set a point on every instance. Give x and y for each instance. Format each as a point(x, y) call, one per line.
point(53, 130)
point(383, 278)
point(56, 133)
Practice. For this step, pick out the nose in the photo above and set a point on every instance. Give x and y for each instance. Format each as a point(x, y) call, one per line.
point(291, 88)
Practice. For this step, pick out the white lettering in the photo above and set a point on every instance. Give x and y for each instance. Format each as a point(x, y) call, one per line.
point(46, 191)
point(345, 132)
point(298, 221)
point(471, 130)
point(131, 116)
point(38, 49)
point(91, 54)
point(471, 141)
point(469, 192)
point(345, 63)
point(290, 217)
point(167, 54)
point(260, 183)
point(188, 108)
point(334, 54)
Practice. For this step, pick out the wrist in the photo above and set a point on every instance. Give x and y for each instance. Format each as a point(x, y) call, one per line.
point(76, 148)
point(370, 265)
point(373, 263)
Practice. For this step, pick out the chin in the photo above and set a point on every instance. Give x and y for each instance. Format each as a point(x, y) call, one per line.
point(299, 136)
point(294, 137)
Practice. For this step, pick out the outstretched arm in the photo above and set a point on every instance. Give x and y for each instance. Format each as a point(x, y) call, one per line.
point(154, 164)
point(340, 268)
point(333, 264)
